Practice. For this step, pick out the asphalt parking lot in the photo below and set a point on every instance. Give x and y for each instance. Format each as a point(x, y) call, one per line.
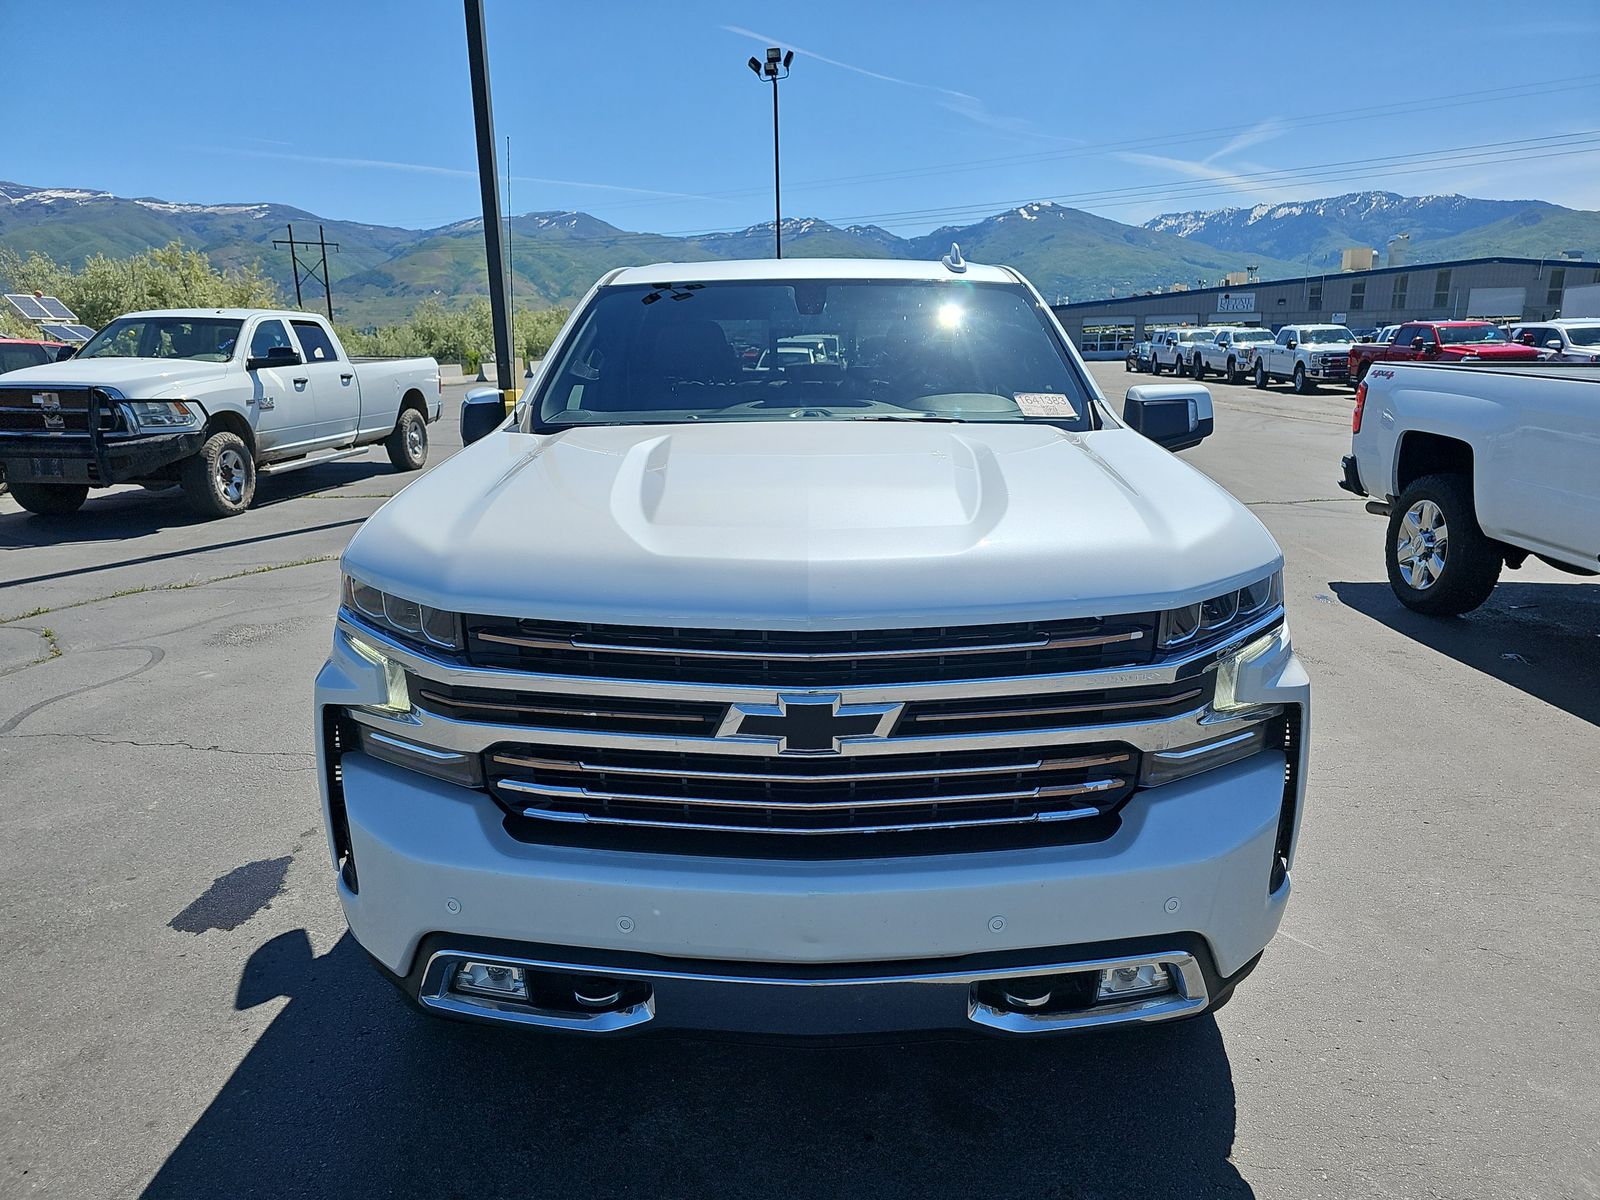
point(185, 1015)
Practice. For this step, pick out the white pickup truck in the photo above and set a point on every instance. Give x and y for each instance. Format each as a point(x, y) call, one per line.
point(908, 690)
point(1478, 467)
point(1305, 355)
point(1229, 353)
point(1174, 349)
point(205, 399)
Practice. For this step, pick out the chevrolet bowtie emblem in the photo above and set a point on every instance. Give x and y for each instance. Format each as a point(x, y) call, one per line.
point(809, 722)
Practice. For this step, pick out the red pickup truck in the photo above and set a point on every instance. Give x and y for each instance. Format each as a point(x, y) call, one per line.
point(1439, 341)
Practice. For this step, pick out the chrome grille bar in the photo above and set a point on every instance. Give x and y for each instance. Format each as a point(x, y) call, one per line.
point(559, 792)
point(1072, 814)
point(1055, 710)
point(756, 653)
point(1058, 764)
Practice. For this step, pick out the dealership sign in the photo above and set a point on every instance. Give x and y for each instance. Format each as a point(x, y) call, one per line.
point(1245, 302)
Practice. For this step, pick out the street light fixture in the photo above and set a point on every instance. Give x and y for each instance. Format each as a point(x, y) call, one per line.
point(775, 67)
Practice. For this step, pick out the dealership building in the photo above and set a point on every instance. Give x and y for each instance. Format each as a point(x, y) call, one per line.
point(1499, 289)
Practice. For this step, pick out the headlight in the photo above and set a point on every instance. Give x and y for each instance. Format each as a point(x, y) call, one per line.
point(397, 696)
point(1238, 736)
point(164, 414)
point(408, 620)
point(1215, 618)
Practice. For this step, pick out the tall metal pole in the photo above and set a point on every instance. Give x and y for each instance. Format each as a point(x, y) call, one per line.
point(327, 288)
point(777, 179)
point(489, 186)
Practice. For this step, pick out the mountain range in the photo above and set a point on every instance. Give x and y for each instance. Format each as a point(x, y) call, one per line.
point(380, 272)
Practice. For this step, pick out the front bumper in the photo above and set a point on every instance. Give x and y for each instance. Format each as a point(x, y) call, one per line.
point(1188, 870)
point(46, 458)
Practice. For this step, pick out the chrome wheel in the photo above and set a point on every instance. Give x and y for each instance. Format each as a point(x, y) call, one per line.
point(415, 439)
point(1422, 545)
point(230, 475)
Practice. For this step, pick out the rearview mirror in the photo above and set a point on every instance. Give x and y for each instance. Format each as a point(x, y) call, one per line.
point(1174, 415)
point(482, 412)
point(277, 356)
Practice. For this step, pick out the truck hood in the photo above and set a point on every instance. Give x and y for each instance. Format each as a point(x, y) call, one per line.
point(135, 378)
point(787, 525)
point(1500, 350)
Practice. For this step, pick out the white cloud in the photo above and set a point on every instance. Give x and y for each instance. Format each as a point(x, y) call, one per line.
point(960, 103)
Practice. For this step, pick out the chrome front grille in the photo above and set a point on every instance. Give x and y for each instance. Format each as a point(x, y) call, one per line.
point(685, 734)
point(810, 658)
point(811, 796)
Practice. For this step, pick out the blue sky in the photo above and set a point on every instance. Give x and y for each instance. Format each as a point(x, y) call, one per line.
point(909, 116)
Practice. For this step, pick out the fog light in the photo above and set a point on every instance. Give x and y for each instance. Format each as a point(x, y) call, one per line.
point(1124, 983)
point(491, 979)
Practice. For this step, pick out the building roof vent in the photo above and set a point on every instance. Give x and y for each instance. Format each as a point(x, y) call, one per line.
point(954, 261)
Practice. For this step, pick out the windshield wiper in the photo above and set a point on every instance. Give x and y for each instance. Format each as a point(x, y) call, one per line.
point(912, 417)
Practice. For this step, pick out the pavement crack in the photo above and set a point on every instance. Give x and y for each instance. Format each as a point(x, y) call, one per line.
point(170, 587)
point(55, 651)
point(177, 745)
point(1307, 500)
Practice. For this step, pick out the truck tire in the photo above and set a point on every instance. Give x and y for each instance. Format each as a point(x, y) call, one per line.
point(1231, 371)
point(1361, 372)
point(1302, 385)
point(1199, 369)
point(50, 499)
point(1440, 561)
point(220, 479)
point(408, 443)
point(1155, 365)
point(1261, 375)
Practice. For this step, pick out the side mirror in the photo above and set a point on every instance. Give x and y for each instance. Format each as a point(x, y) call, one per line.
point(1366, 341)
point(1553, 344)
point(482, 412)
point(1290, 344)
point(1174, 415)
point(278, 356)
point(65, 353)
point(1418, 345)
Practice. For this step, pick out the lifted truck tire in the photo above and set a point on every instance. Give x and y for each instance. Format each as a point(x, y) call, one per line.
point(220, 480)
point(1440, 562)
point(408, 443)
point(50, 499)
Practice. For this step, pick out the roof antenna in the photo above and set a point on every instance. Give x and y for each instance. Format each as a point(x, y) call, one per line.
point(953, 260)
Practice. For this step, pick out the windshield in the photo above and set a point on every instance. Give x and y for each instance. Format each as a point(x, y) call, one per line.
point(1459, 335)
point(1584, 335)
point(1252, 335)
point(205, 339)
point(1196, 335)
point(813, 350)
point(1327, 336)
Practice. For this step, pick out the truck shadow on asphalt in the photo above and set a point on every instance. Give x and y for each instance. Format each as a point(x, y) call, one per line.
point(113, 516)
point(1540, 638)
point(350, 1093)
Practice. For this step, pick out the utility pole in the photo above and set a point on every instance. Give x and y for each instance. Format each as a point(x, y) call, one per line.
point(489, 187)
point(317, 269)
point(775, 68)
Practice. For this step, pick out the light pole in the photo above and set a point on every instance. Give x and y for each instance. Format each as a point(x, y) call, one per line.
point(775, 68)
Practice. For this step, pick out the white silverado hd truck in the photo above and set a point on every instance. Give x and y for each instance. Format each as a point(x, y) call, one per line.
point(1478, 467)
point(205, 399)
point(909, 690)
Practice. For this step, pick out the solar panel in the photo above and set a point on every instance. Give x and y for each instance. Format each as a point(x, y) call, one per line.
point(28, 307)
point(67, 333)
point(56, 310)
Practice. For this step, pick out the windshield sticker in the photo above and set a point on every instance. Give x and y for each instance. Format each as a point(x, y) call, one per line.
point(1044, 404)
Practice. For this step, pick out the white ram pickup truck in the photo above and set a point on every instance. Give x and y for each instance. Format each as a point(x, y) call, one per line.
point(207, 400)
point(910, 690)
point(1478, 467)
point(1230, 353)
point(1305, 355)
